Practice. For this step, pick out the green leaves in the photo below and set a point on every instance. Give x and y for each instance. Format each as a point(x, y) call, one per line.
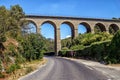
point(98, 46)
point(10, 20)
point(2, 38)
point(33, 45)
point(27, 47)
point(115, 48)
point(16, 12)
point(85, 40)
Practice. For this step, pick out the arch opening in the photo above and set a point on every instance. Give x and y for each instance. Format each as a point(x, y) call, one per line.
point(84, 28)
point(67, 30)
point(67, 34)
point(48, 31)
point(30, 27)
point(113, 28)
point(99, 28)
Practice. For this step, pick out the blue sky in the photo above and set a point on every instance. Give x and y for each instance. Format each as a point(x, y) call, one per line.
point(75, 8)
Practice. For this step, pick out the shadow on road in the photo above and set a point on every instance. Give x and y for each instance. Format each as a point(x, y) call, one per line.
point(49, 54)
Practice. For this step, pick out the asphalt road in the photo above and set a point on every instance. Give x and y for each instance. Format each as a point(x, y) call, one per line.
point(63, 69)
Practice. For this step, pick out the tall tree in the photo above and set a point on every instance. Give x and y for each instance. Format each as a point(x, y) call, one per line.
point(4, 14)
point(10, 21)
point(16, 13)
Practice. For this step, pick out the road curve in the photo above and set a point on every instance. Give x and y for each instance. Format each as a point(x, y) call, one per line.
point(62, 69)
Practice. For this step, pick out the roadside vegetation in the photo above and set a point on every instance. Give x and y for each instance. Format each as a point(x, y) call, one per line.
point(102, 47)
point(17, 46)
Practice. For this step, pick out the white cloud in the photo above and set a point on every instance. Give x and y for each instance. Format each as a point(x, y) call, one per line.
point(68, 36)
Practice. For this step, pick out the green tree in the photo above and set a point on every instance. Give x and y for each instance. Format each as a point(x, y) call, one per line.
point(16, 23)
point(4, 14)
point(114, 54)
point(10, 21)
point(33, 46)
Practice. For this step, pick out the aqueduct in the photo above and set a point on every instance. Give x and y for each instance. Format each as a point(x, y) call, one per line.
point(73, 22)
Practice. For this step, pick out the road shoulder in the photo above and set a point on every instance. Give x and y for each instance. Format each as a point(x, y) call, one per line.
point(112, 72)
point(27, 69)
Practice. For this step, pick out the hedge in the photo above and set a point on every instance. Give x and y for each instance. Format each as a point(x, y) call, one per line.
point(97, 51)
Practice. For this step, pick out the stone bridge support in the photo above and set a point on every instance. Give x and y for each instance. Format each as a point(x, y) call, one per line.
point(37, 28)
point(75, 31)
point(57, 41)
point(107, 27)
point(92, 27)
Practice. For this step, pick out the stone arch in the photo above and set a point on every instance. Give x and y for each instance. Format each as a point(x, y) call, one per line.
point(71, 26)
point(87, 26)
point(113, 28)
point(54, 26)
point(32, 22)
point(99, 27)
point(50, 22)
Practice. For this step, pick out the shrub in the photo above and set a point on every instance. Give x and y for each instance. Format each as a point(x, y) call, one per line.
point(77, 47)
point(114, 55)
point(33, 47)
point(2, 75)
point(12, 68)
point(62, 53)
point(29, 69)
point(2, 38)
point(19, 59)
point(99, 50)
point(83, 53)
point(0, 65)
point(96, 51)
point(98, 47)
point(65, 48)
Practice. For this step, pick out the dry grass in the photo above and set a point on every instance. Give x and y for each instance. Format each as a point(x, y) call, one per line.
point(114, 65)
point(26, 68)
